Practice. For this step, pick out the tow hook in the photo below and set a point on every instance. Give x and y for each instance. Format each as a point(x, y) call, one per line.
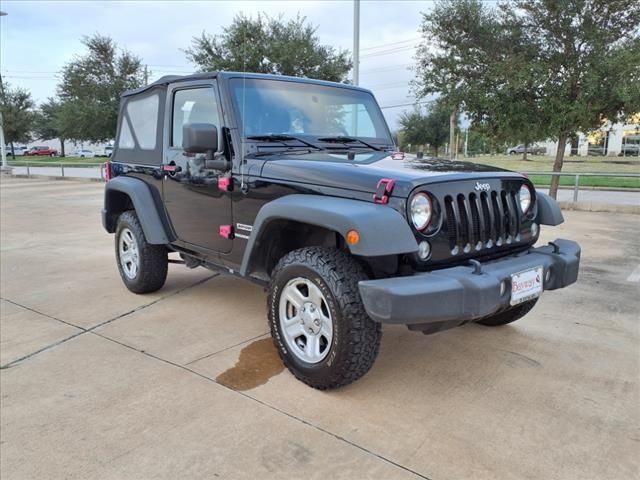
point(477, 267)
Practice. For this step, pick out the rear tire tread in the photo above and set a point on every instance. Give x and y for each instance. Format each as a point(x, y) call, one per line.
point(154, 263)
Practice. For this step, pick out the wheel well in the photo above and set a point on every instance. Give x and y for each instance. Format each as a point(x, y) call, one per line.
point(282, 236)
point(115, 203)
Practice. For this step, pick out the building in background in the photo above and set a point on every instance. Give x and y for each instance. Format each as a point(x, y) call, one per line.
point(611, 140)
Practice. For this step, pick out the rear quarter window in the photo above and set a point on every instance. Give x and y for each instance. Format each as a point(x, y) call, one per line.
point(140, 131)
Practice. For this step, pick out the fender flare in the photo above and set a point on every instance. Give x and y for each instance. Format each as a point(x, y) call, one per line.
point(144, 204)
point(383, 231)
point(549, 212)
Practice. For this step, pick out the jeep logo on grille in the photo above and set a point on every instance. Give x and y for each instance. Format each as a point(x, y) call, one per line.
point(482, 187)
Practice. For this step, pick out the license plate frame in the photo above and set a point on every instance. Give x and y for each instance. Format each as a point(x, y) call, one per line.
point(526, 285)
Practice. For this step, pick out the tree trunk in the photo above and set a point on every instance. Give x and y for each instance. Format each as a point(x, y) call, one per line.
point(13, 152)
point(436, 151)
point(62, 147)
point(557, 164)
point(524, 154)
point(453, 120)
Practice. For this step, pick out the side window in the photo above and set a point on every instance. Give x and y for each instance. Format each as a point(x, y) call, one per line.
point(143, 115)
point(193, 105)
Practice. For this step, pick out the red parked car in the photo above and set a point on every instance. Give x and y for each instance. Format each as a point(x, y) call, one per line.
point(42, 151)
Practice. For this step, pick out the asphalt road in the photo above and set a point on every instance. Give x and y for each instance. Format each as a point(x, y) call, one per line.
point(97, 382)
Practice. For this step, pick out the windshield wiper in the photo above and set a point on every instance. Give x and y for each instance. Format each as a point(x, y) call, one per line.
point(283, 138)
point(343, 139)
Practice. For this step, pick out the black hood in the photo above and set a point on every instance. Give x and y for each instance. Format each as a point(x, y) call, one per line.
point(364, 173)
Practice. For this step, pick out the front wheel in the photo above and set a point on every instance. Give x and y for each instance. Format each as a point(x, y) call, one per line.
point(318, 323)
point(143, 267)
point(508, 316)
point(52, 154)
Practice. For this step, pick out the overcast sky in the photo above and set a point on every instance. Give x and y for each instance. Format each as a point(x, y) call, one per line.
point(38, 37)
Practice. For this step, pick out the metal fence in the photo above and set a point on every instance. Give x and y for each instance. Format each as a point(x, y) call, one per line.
point(100, 168)
point(577, 176)
point(62, 168)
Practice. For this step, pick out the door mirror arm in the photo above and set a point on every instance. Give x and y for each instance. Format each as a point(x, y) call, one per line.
point(216, 161)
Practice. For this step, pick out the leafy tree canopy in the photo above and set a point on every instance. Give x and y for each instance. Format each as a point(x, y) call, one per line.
point(51, 122)
point(91, 86)
point(426, 126)
point(18, 116)
point(270, 45)
point(532, 69)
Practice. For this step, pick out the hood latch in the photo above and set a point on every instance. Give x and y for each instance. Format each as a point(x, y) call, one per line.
point(383, 190)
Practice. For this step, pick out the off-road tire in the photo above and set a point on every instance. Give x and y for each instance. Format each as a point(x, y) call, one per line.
point(356, 338)
point(508, 316)
point(154, 262)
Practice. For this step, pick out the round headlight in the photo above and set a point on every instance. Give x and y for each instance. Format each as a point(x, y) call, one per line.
point(525, 198)
point(421, 210)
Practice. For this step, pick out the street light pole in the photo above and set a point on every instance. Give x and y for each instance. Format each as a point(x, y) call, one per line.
point(356, 42)
point(3, 150)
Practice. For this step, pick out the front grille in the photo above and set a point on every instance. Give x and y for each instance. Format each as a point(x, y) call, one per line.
point(481, 220)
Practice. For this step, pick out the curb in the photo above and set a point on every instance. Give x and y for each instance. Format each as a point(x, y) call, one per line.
point(600, 207)
point(62, 179)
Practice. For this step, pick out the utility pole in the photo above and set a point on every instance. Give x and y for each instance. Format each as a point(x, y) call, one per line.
point(146, 74)
point(3, 151)
point(356, 42)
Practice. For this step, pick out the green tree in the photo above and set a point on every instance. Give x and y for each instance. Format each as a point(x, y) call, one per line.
point(269, 45)
point(426, 126)
point(18, 117)
point(51, 123)
point(533, 69)
point(91, 86)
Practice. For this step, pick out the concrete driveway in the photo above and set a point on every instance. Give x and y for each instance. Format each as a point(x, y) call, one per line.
point(97, 382)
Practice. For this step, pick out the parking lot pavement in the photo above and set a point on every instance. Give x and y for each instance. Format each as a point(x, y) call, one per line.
point(100, 383)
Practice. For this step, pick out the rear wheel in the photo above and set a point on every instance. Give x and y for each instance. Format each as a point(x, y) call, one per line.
point(508, 316)
point(143, 267)
point(317, 320)
point(52, 154)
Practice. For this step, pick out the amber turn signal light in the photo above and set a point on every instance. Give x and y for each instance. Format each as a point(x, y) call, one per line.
point(353, 237)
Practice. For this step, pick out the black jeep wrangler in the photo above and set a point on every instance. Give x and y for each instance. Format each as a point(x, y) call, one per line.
point(295, 184)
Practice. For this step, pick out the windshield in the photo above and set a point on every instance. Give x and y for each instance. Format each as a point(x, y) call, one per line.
point(276, 107)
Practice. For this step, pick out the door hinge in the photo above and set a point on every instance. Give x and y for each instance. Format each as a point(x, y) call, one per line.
point(225, 184)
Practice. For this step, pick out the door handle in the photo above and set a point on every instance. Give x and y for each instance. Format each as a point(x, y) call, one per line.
point(171, 168)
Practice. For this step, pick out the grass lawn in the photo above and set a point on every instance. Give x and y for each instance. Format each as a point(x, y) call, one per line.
point(571, 165)
point(44, 161)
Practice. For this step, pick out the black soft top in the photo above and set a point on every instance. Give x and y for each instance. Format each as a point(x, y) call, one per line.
point(167, 79)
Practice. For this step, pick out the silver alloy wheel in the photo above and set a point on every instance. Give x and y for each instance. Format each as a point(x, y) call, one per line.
point(128, 253)
point(305, 320)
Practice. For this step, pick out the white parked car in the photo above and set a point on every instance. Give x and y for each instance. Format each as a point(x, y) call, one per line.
point(105, 152)
point(84, 153)
point(18, 150)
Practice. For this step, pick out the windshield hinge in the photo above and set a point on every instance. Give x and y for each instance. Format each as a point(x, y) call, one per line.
point(383, 190)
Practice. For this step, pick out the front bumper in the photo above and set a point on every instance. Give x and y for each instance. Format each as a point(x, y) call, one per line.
point(463, 293)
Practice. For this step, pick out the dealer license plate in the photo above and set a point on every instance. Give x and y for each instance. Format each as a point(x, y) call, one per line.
point(526, 285)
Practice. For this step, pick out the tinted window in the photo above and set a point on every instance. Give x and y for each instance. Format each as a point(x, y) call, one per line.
point(143, 115)
point(194, 105)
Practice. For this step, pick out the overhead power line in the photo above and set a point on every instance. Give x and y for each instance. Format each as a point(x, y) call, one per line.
point(388, 52)
point(407, 104)
point(387, 69)
point(392, 43)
